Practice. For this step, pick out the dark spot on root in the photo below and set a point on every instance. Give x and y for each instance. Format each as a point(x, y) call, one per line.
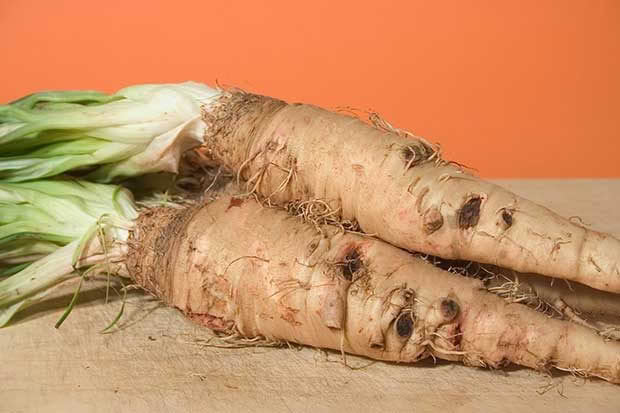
point(234, 202)
point(404, 325)
point(433, 220)
point(507, 217)
point(449, 309)
point(469, 213)
point(458, 336)
point(413, 155)
point(312, 247)
point(352, 264)
point(376, 346)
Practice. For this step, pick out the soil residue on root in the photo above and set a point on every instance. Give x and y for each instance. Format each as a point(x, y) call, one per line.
point(154, 248)
point(233, 123)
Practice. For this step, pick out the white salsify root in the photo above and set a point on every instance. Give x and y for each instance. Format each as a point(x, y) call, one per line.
point(557, 298)
point(575, 302)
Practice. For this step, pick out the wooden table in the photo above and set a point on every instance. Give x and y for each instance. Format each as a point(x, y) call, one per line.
point(154, 362)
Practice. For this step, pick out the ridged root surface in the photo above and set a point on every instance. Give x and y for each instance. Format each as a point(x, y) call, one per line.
point(237, 267)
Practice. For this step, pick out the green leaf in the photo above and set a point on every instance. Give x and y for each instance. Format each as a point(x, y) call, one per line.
point(138, 130)
point(85, 97)
point(71, 304)
point(13, 269)
point(46, 229)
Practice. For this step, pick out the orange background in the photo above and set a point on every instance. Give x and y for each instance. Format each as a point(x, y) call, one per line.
point(514, 88)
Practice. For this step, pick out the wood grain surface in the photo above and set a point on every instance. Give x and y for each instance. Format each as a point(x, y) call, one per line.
point(156, 361)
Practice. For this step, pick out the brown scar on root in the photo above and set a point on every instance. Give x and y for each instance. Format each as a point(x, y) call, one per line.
point(433, 220)
point(469, 214)
point(591, 261)
point(449, 309)
point(404, 324)
point(507, 217)
point(352, 264)
point(235, 202)
point(431, 151)
point(414, 155)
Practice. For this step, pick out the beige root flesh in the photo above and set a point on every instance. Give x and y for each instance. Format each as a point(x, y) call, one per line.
point(396, 187)
point(595, 309)
point(285, 281)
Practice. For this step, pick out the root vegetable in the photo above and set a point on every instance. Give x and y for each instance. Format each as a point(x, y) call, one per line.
point(579, 297)
point(578, 303)
point(595, 309)
point(396, 187)
point(284, 281)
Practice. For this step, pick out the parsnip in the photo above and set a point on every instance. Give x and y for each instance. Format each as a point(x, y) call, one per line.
point(396, 187)
point(239, 268)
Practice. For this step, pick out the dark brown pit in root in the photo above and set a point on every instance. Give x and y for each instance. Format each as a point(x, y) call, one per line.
point(458, 336)
point(469, 213)
point(449, 309)
point(376, 346)
point(507, 217)
point(404, 325)
point(352, 264)
point(433, 220)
